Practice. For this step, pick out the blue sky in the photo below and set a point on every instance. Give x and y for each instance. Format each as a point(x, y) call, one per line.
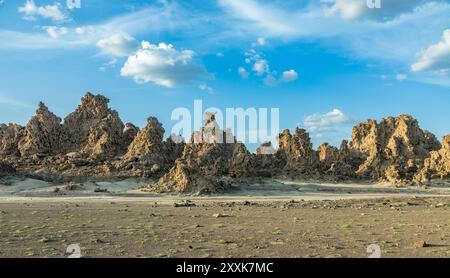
point(325, 64)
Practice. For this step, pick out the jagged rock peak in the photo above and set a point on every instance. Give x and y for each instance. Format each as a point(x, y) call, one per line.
point(297, 145)
point(149, 140)
point(43, 134)
point(91, 112)
point(208, 162)
point(392, 150)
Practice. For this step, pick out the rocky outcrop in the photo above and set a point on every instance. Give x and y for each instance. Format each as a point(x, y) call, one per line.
point(104, 139)
point(209, 161)
point(43, 134)
point(297, 151)
point(129, 134)
point(148, 141)
point(10, 136)
point(92, 114)
point(94, 142)
point(148, 154)
point(392, 150)
point(437, 166)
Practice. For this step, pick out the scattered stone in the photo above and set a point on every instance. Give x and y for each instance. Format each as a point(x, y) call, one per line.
point(421, 244)
point(184, 203)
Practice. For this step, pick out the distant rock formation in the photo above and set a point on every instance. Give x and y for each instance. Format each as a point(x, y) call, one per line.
point(437, 166)
point(93, 142)
point(297, 150)
point(91, 116)
point(393, 150)
point(43, 134)
point(10, 136)
point(207, 164)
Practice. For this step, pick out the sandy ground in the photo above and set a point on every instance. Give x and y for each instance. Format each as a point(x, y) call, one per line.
point(274, 219)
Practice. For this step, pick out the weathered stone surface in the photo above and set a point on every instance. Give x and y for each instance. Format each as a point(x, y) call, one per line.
point(208, 161)
point(10, 136)
point(392, 150)
point(148, 141)
point(437, 166)
point(105, 139)
point(129, 134)
point(92, 112)
point(328, 155)
point(43, 134)
point(297, 150)
point(6, 169)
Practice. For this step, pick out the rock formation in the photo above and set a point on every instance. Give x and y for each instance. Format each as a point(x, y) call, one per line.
point(148, 154)
point(208, 161)
point(10, 136)
point(43, 134)
point(297, 151)
point(393, 150)
point(92, 114)
point(437, 166)
point(93, 142)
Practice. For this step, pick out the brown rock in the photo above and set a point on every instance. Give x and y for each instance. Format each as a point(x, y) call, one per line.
point(207, 162)
point(392, 150)
point(43, 134)
point(437, 166)
point(80, 123)
point(298, 152)
point(10, 136)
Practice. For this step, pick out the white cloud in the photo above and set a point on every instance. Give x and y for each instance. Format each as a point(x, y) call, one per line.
point(243, 72)
point(162, 64)
point(119, 45)
point(261, 67)
point(53, 12)
point(289, 75)
point(330, 127)
point(321, 122)
point(261, 41)
point(56, 32)
point(436, 57)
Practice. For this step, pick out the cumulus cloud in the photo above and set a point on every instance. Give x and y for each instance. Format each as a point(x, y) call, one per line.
point(436, 57)
point(332, 126)
point(56, 32)
point(163, 65)
point(289, 75)
point(286, 76)
point(31, 11)
point(260, 66)
point(119, 45)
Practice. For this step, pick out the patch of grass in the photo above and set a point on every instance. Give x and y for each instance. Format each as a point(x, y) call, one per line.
point(218, 226)
point(44, 240)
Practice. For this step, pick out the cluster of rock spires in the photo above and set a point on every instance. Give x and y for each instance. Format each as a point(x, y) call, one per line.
point(93, 142)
